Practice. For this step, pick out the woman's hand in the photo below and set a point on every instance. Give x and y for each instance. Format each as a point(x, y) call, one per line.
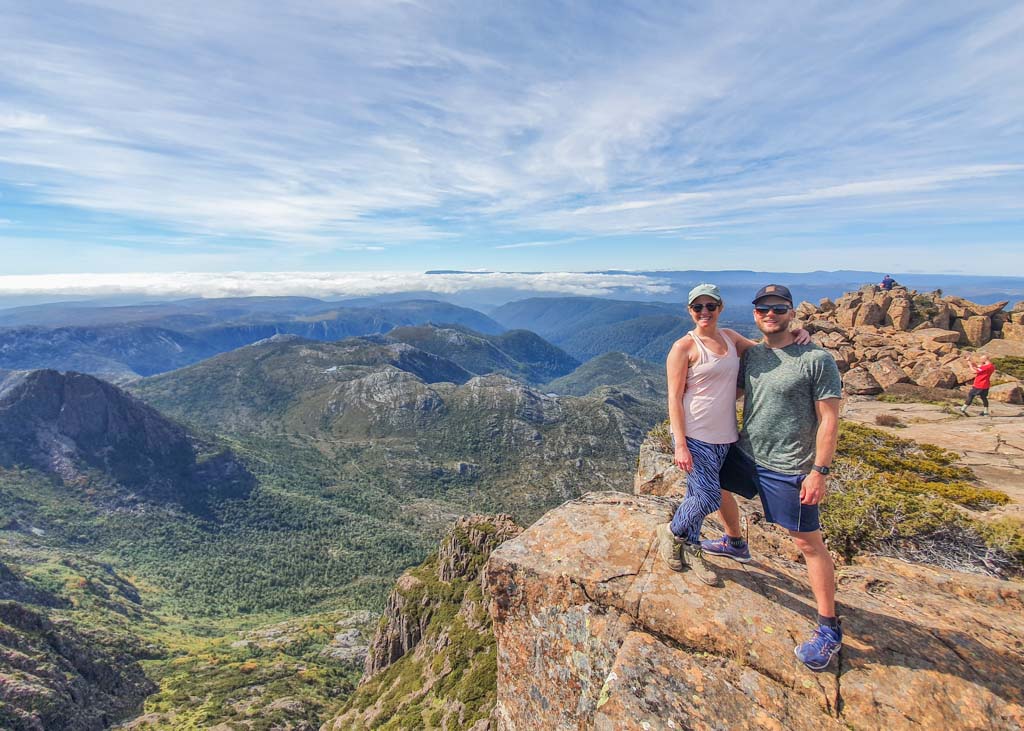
point(801, 336)
point(683, 459)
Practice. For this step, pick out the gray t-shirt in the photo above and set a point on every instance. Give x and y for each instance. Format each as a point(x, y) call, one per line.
point(780, 387)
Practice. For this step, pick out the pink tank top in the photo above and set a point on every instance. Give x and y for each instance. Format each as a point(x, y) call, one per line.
point(709, 401)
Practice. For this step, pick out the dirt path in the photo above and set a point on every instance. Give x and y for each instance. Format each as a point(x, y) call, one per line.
point(992, 446)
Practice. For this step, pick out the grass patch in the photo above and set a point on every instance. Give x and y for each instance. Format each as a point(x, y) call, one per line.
point(1011, 365)
point(910, 393)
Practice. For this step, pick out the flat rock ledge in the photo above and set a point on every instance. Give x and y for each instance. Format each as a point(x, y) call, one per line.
point(595, 632)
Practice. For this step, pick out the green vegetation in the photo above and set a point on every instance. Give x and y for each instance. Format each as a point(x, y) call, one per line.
point(889, 493)
point(459, 680)
point(1011, 365)
point(271, 677)
point(923, 307)
point(896, 497)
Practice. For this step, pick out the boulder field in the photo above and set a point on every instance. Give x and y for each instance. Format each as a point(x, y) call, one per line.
point(880, 339)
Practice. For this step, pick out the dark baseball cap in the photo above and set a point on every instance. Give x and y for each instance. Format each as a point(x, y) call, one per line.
point(773, 290)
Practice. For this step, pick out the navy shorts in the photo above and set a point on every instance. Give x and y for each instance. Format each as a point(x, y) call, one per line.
point(780, 494)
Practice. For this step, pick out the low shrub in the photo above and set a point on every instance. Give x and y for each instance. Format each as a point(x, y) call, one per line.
point(888, 420)
point(1011, 365)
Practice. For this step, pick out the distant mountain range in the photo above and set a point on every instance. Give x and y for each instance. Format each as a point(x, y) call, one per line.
point(125, 342)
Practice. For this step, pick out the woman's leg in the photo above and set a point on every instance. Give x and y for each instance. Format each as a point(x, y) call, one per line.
point(703, 490)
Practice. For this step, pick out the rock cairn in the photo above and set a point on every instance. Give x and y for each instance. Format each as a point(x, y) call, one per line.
point(880, 338)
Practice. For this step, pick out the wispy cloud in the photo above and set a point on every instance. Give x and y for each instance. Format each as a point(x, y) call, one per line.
point(350, 128)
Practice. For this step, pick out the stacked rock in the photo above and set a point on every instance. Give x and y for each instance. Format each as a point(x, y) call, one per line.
point(880, 338)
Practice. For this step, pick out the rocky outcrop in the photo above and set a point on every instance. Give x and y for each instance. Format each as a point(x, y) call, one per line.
point(57, 677)
point(880, 339)
point(69, 423)
point(594, 631)
point(434, 646)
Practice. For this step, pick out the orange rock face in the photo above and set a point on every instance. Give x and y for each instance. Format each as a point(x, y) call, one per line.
point(595, 631)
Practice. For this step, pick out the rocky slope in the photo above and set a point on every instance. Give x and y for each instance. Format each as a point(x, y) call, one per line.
point(58, 672)
point(519, 354)
point(880, 339)
point(67, 424)
point(637, 377)
point(594, 631)
point(431, 663)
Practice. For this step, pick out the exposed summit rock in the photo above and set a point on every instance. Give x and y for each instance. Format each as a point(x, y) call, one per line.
point(594, 631)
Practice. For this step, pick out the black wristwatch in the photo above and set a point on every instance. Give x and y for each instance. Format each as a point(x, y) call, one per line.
point(822, 470)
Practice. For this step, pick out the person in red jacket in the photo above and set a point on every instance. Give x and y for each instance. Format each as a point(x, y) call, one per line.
point(984, 368)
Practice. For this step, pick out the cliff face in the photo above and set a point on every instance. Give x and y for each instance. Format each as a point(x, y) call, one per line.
point(594, 631)
point(431, 662)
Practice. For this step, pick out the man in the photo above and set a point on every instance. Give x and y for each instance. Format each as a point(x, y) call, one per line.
point(784, 454)
point(983, 368)
point(887, 283)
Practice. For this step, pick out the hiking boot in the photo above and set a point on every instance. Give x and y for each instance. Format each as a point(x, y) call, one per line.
point(670, 548)
point(818, 651)
point(985, 412)
point(963, 410)
point(699, 567)
point(722, 547)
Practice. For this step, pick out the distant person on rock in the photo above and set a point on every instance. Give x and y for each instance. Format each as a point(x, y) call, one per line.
point(784, 454)
point(887, 282)
point(983, 368)
point(702, 368)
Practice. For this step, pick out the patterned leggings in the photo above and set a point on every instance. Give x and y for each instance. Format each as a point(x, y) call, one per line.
point(703, 490)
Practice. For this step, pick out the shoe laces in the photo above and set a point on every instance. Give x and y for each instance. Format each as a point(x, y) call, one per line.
point(824, 636)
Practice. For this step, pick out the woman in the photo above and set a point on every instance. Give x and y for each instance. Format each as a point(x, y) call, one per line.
point(702, 369)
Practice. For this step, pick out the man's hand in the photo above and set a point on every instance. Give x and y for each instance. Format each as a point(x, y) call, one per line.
point(801, 336)
point(683, 459)
point(813, 488)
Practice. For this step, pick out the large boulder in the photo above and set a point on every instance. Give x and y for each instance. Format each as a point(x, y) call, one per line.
point(1005, 347)
point(898, 314)
point(961, 369)
point(1013, 331)
point(886, 372)
point(975, 330)
point(936, 335)
point(657, 473)
point(933, 375)
point(1007, 393)
point(943, 317)
point(596, 632)
point(859, 382)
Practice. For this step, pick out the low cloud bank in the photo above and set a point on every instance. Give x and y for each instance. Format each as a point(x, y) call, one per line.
point(325, 285)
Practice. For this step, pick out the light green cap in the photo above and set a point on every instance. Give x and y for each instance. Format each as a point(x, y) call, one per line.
point(704, 289)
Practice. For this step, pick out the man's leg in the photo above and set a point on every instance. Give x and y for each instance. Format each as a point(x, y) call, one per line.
point(820, 570)
point(817, 652)
point(729, 512)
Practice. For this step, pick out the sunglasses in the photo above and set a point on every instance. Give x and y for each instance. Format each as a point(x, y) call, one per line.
point(699, 307)
point(777, 309)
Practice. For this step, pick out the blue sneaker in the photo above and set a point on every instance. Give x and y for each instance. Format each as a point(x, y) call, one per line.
point(722, 547)
point(818, 651)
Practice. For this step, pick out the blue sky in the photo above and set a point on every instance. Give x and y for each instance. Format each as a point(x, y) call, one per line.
point(374, 136)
